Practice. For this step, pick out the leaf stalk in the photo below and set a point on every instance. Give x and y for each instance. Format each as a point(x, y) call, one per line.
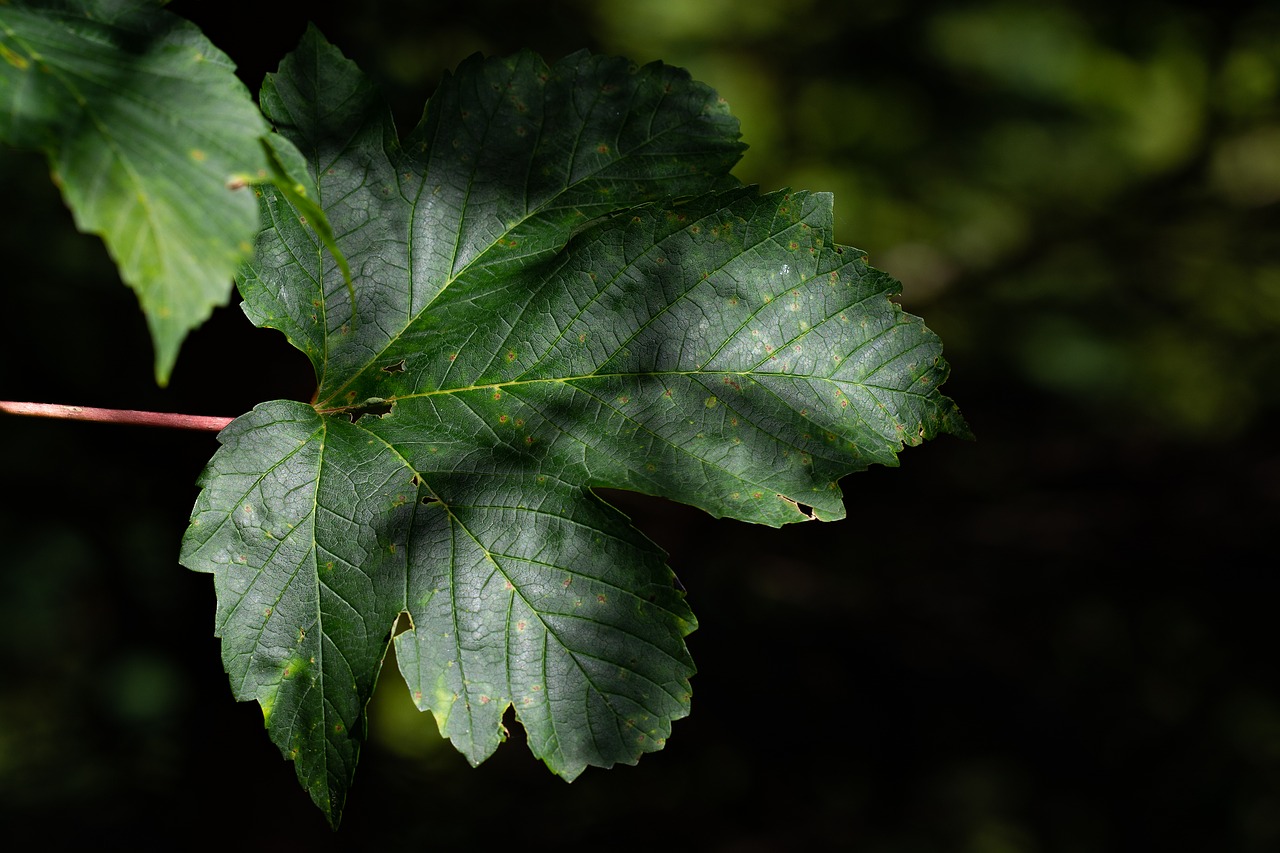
point(116, 416)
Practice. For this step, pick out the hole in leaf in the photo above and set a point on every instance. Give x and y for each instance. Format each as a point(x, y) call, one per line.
point(509, 722)
point(428, 500)
point(404, 622)
point(373, 406)
point(804, 509)
point(398, 367)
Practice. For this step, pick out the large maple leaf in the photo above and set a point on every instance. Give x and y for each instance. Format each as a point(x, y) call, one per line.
point(557, 287)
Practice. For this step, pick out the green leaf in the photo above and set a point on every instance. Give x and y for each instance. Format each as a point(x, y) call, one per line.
point(144, 123)
point(288, 174)
point(558, 287)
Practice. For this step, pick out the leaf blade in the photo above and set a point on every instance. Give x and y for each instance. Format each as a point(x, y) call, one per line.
point(690, 338)
point(305, 580)
point(716, 379)
point(144, 122)
point(438, 191)
point(533, 627)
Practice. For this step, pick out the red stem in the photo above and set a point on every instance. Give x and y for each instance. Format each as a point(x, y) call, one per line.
point(115, 416)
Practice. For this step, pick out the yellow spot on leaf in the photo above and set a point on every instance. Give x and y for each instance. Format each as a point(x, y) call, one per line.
point(294, 667)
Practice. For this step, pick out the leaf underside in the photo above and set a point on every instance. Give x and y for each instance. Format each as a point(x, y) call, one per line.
point(144, 122)
point(558, 287)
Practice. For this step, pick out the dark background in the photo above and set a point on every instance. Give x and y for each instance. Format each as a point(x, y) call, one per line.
point(1060, 637)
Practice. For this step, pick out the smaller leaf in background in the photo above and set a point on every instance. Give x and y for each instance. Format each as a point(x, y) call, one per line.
point(144, 122)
